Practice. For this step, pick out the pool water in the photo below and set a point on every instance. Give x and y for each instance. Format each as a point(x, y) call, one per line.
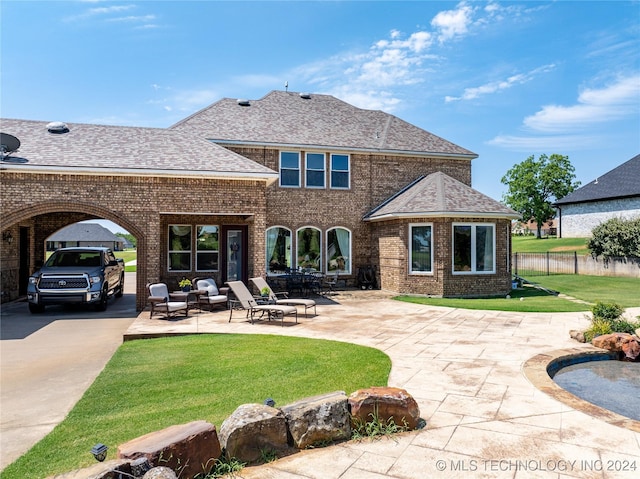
point(614, 385)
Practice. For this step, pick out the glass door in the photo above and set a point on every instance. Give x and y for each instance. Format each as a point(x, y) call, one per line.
point(235, 267)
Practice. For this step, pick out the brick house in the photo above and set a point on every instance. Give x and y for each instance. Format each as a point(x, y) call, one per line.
point(245, 188)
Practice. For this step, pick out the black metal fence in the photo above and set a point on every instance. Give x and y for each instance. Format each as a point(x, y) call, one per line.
point(544, 264)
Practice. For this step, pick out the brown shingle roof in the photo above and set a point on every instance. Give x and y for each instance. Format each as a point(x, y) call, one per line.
point(102, 149)
point(439, 195)
point(286, 118)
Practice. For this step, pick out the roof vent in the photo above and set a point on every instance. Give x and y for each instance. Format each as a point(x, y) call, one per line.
point(243, 102)
point(57, 127)
point(306, 96)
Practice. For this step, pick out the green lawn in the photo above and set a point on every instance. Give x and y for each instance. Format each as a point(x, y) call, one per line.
point(531, 244)
point(624, 291)
point(522, 300)
point(152, 384)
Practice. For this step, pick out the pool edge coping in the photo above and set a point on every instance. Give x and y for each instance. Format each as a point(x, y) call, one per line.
point(535, 370)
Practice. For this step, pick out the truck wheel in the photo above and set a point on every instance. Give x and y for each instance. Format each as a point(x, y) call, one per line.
point(120, 290)
point(102, 304)
point(36, 308)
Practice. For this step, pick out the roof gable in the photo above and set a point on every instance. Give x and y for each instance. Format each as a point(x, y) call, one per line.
point(621, 182)
point(288, 118)
point(438, 195)
point(105, 149)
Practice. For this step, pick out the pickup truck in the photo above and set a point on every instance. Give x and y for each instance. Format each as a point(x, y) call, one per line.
point(77, 276)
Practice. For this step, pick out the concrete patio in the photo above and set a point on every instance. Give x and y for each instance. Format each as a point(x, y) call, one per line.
point(485, 417)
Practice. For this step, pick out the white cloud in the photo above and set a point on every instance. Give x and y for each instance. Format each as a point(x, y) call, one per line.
point(99, 11)
point(453, 23)
point(594, 106)
point(133, 19)
point(495, 86)
point(546, 143)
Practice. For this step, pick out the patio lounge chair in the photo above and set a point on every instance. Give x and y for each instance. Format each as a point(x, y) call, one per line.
point(168, 303)
point(211, 296)
point(246, 301)
point(283, 297)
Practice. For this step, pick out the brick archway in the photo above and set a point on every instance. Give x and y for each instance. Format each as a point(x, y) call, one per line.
point(77, 211)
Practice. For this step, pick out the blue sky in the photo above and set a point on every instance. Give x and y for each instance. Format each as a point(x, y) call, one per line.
point(503, 79)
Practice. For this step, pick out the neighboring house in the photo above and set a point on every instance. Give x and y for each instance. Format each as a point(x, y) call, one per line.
point(615, 194)
point(244, 188)
point(520, 228)
point(84, 234)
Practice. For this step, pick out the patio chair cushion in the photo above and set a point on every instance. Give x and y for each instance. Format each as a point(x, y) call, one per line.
point(159, 290)
point(208, 285)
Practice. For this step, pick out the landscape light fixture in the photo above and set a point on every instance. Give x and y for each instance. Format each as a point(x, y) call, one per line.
point(99, 451)
point(7, 236)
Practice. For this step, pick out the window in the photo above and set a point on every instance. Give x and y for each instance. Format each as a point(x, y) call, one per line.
point(474, 248)
point(308, 251)
point(207, 248)
point(290, 169)
point(315, 170)
point(340, 171)
point(339, 250)
point(420, 248)
point(278, 243)
point(179, 247)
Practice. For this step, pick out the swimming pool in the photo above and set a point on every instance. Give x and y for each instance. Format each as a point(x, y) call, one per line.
point(541, 368)
point(603, 381)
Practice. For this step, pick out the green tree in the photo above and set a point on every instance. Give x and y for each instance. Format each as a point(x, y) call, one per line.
point(535, 184)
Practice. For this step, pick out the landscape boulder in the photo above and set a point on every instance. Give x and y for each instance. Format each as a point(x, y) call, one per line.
point(253, 430)
point(318, 419)
point(187, 449)
point(160, 472)
point(384, 403)
point(619, 342)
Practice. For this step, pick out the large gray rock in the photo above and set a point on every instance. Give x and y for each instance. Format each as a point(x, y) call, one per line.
point(252, 430)
point(186, 448)
point(385, 403)
point(160, 472)
point(318, 419)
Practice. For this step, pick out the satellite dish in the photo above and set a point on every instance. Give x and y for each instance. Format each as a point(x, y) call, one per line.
point(9, 144)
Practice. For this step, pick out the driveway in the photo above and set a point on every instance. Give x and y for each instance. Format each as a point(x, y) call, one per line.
point(48, 360)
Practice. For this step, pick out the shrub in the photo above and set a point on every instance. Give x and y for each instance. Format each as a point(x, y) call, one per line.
point(607, 311)
point(598, 328)
point(616, 238)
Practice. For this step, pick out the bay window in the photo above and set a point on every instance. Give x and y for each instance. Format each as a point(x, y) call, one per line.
point(474, 248)
point(420, 248)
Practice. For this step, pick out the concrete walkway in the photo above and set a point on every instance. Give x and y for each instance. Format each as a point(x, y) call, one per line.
point(485, 418)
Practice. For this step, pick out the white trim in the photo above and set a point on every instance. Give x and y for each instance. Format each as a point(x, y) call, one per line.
point(266, 260)
point(473, 248)
point(326, 253)
point(348, 171)
point(443, 214)
point(307, 169)
point(169, 250)
point(410, 250)
point(195, 237)
point(82, 170)
point(299, 185)
point(320, 263)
